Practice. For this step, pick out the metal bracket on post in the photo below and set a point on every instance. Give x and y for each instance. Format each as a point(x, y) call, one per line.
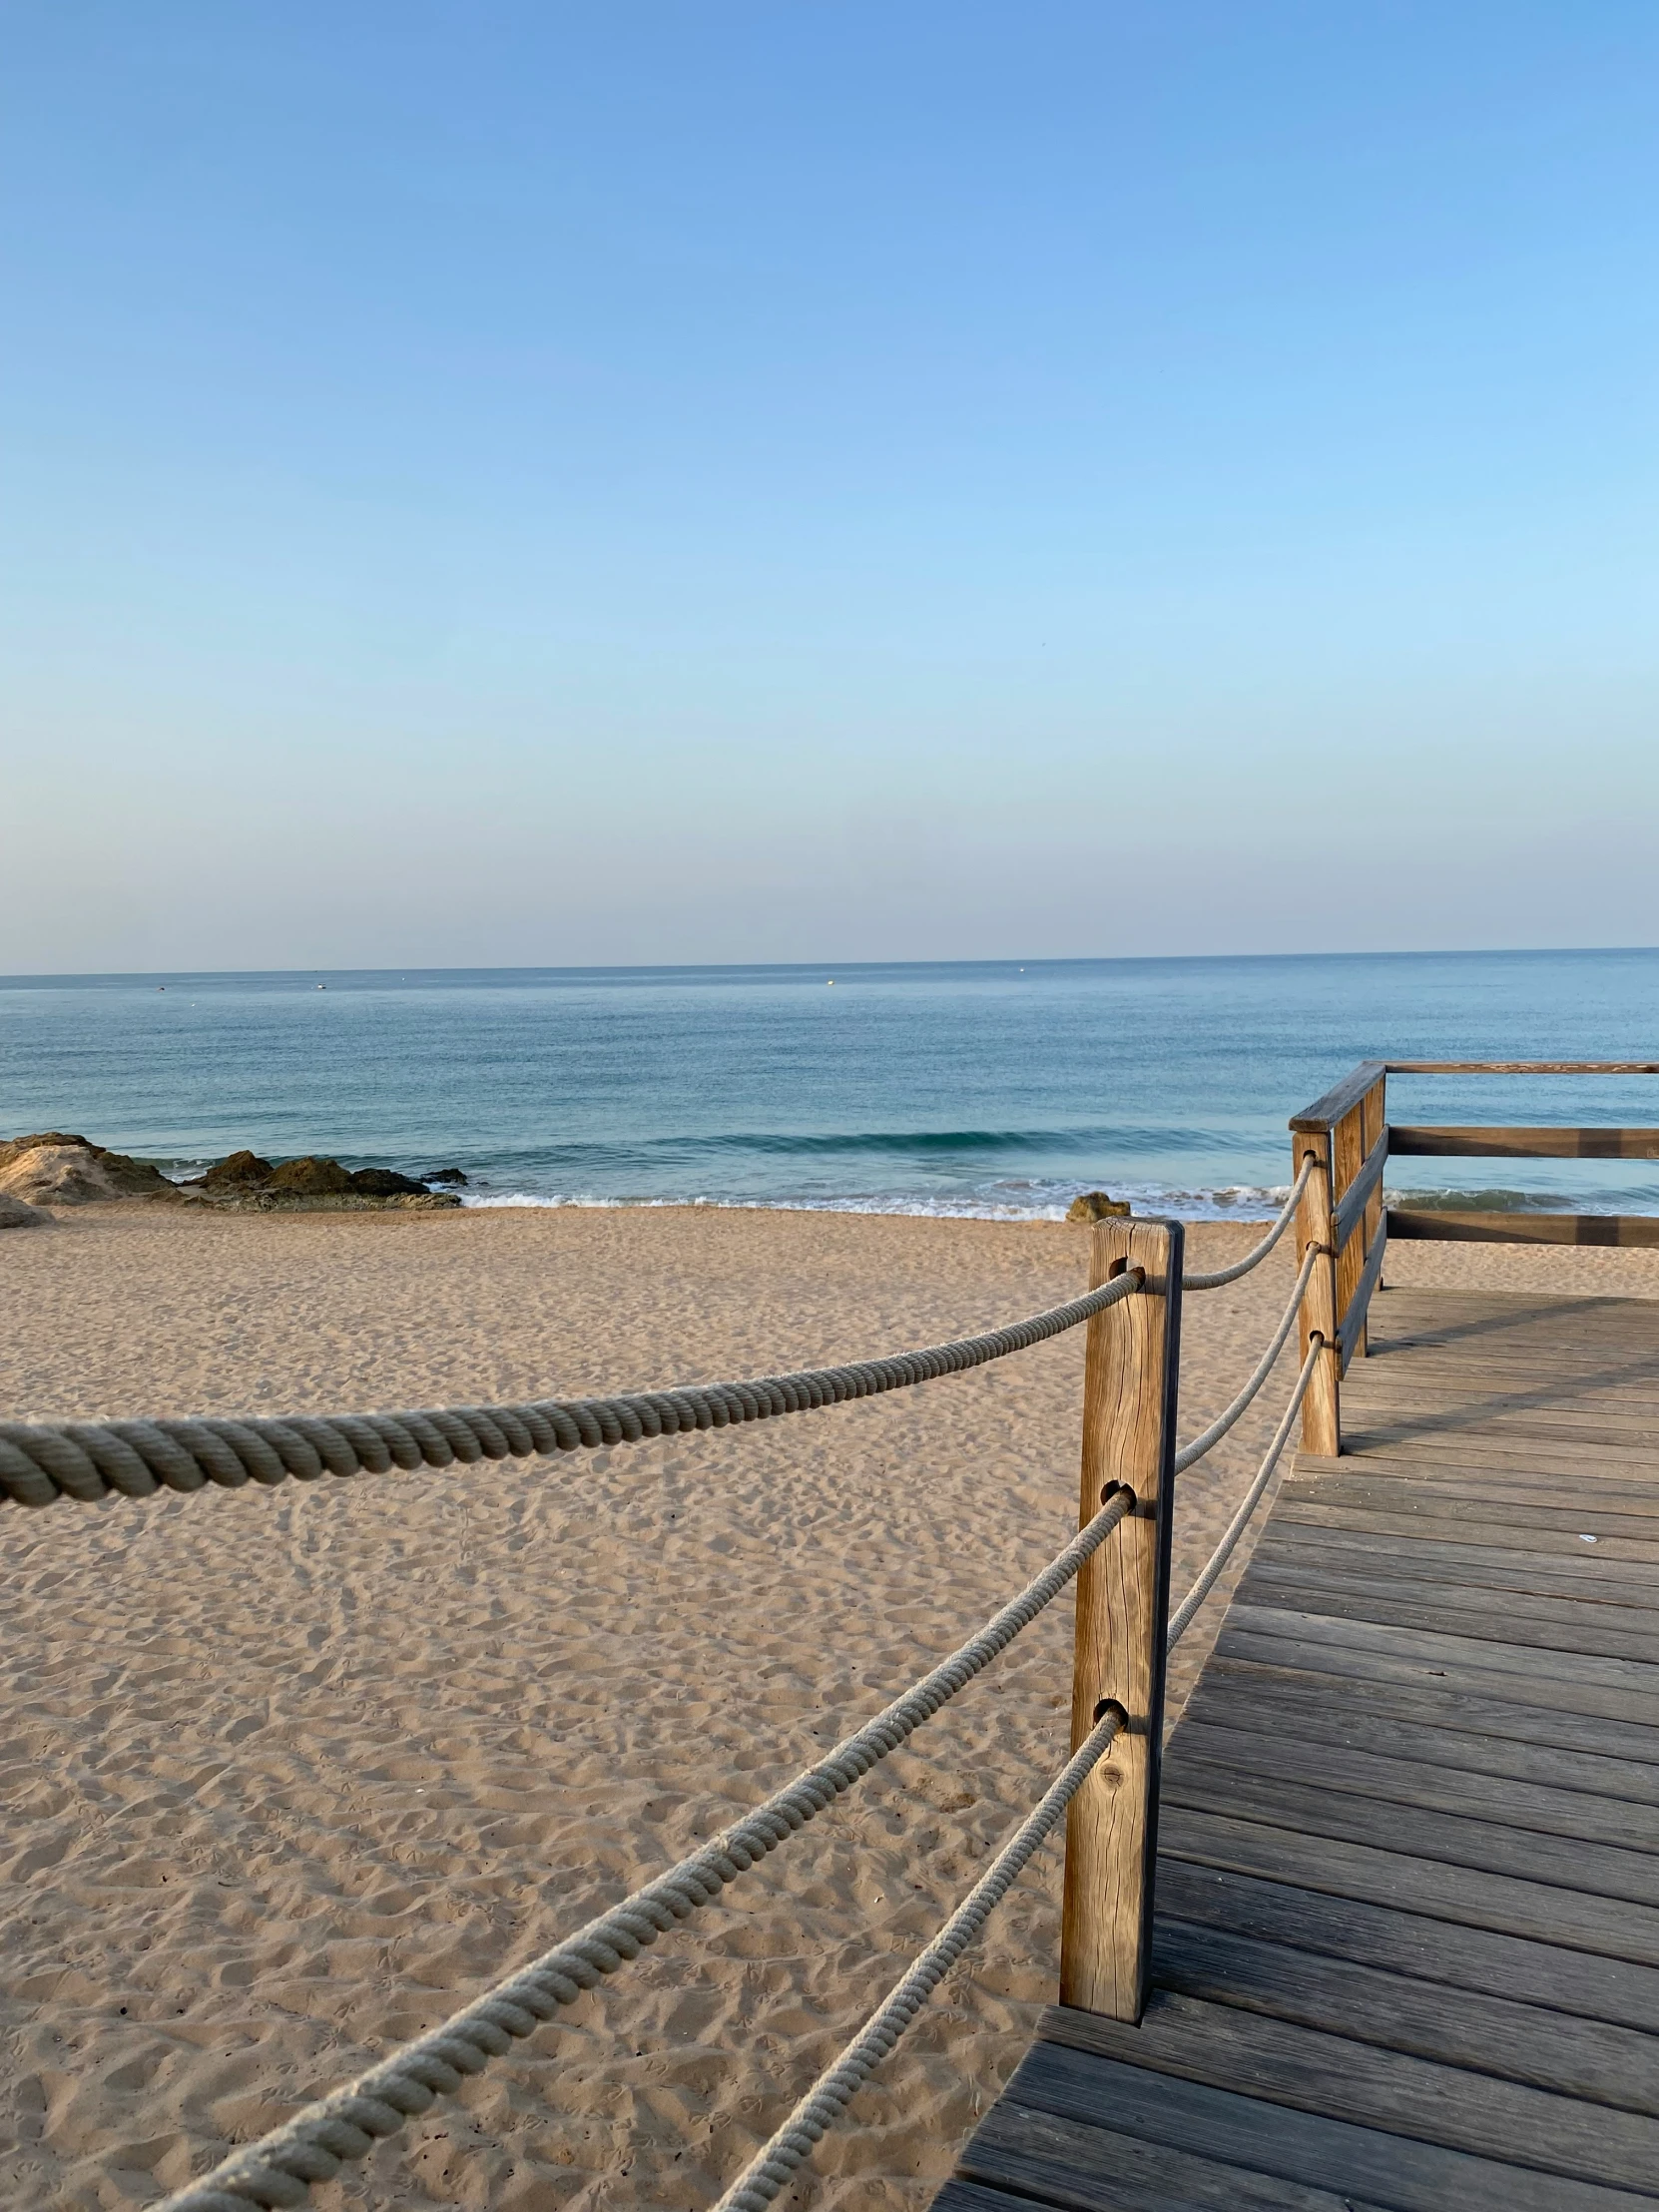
point(1131, 1372)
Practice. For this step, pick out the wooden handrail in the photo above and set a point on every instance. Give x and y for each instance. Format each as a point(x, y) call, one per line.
point(1633, 1232)
point(1351, 1208)
point(1522, 1067)
point(1470, 1143)
point(1325, 1112)
point(1353, 1325)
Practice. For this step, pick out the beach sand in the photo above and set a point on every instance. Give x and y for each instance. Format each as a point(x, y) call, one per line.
point(290, 1773)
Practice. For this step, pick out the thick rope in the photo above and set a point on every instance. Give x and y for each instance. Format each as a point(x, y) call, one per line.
point(92, 1459)
point(1216, 1277)
point(1182, 1618)
point(1190, 1455)
point(770, 2170)
point(281, 2167)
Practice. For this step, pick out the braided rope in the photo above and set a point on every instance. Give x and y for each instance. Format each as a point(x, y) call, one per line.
point(1182, 1618)
point(771, 2168)
point(281, 2167)
point(90, 1460)
point(1190, 1455)
point(1216, 1277)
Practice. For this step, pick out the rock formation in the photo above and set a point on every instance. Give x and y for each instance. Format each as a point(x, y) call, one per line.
point(241, 1172)
point(16, 1214)
point(53, 1168)
point(1096, 1206)
point(309, 1177)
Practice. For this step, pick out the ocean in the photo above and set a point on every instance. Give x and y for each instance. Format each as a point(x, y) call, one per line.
point(996, 1089)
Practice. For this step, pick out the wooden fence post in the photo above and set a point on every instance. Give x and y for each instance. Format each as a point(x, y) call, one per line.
point(1130, 1378)
point(1321, 1427)
point(1377, 1120)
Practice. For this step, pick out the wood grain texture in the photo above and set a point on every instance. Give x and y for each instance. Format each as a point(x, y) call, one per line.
point(1447, 1140)
point(1129, 1408)
point(1325, 1112)
point(1354, 1205)
point(1631, 1232)
point(1321, 1427)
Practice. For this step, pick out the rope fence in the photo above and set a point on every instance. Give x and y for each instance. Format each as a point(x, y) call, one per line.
point(790, 2148)
point(281, 2168)
point(1207, 1439)
point(1216, 1277)
point(773, 2166)
point(89, 1461)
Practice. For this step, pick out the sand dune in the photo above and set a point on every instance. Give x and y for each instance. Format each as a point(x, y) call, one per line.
point(290, 1774)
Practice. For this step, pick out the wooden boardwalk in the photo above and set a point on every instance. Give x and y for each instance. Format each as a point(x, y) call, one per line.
point(1406, 1948)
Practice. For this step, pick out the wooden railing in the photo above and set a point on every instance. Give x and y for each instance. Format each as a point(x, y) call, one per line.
point(1128, 1442)
point(1349, 1134)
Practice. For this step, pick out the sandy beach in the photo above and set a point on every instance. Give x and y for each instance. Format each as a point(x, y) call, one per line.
point(290, 1773)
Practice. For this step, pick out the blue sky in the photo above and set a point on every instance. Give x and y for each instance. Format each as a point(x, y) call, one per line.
point(533, 484)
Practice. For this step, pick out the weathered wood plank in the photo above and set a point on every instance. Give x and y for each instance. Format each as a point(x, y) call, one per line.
point(1406, 1664)
point(1469, 1897)
point(1208, 1749)
point(1583, 1574)
point(1445, 1141)
point(1341, 1098)
point(1429, 1700)
point(1351, 1330)
point(1448, 1649)
point(1478, 1960)
point(1507, 1617)
point(1130, 1379)
point(1564, 1862)
point(1353, 1206)
point(1045, 2159)
point(1531, 2044)
point(1627, 1231)
point(1256, 1701)
point(1522, 1067)
point(1306, 2072)
point(1493, 1536)
point(1355, 2161)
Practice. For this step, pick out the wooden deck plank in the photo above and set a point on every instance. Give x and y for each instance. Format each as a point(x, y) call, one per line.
point(1482, 1960)
point(1307, 2070)
point(1043, 2157)
point(1468, 1897)
point(1303, 1712)
point(1407, 1943)
point(1476, 1716)
point(1235, 2126)
point(1532, 2043)
point(1398, 1778)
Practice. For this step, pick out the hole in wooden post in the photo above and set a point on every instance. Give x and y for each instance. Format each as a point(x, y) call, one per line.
point(1110, 1705)
point(1112, 1490)
point(1116, 1269)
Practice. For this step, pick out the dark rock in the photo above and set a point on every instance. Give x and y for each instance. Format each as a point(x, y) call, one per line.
point(309, 1177)
point(446, 1175)
point(242, 1171)
point(16, 1212)
point(385, 1183)
point(1096, 1206)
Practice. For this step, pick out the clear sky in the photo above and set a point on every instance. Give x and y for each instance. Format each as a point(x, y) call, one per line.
point(538, 484)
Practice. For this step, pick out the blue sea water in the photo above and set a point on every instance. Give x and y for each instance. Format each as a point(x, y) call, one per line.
point(995, 1089)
